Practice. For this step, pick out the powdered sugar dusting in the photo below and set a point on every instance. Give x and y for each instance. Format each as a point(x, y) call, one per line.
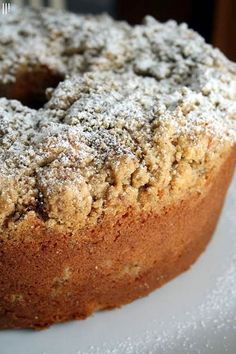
point(151, 106)
point(198, 333)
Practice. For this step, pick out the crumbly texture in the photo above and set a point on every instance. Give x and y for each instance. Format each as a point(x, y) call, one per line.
point(49, 277)
point(115, 185)
point(144, 116)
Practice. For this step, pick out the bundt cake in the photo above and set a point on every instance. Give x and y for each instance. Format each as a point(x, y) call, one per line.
point(117, 146)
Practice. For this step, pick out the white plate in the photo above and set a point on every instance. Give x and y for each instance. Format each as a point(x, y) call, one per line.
point(195, 313)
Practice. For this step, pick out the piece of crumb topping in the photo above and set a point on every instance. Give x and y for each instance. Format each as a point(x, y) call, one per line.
point(144, 115)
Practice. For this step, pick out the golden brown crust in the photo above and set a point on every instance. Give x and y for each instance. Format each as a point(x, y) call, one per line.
point(52, 278)
point(112, 187)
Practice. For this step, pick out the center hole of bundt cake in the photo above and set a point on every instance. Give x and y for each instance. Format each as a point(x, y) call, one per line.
point(30, 86)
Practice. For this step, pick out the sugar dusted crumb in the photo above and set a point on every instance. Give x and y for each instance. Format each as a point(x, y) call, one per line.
point(145, 115)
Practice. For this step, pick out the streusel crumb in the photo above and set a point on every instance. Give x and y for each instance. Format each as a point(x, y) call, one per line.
point(144, 115)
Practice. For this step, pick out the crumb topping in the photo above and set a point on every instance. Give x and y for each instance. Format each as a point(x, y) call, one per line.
point(144, 115)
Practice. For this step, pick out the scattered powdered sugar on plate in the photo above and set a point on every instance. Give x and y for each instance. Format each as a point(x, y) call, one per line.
point(215, 313)
point(209, 327)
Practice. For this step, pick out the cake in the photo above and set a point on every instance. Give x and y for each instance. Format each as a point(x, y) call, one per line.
point(117, 146)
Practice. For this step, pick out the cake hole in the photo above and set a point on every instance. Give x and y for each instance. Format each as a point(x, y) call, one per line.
point(30, 86)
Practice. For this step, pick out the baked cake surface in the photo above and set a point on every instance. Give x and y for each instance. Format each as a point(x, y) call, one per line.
point(142, 124)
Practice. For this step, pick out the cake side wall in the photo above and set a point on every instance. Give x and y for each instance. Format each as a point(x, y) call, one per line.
point(57, 277)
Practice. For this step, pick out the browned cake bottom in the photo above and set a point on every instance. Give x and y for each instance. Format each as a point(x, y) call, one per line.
point(52, 278)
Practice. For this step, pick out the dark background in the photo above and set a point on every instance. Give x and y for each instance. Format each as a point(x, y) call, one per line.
point(215, 20)
point(198, 14)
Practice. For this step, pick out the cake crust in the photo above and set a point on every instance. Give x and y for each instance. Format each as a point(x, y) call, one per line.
point(55, 277)
point(112, 184)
